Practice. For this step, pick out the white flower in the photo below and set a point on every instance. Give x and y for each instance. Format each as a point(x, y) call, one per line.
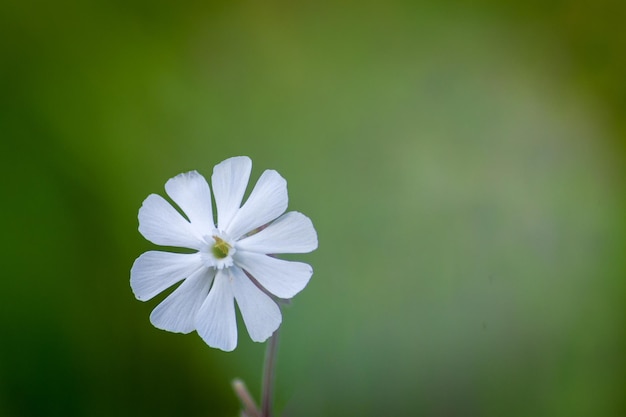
point(225, 254)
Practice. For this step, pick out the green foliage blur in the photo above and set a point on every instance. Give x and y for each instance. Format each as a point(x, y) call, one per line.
point(463, 165)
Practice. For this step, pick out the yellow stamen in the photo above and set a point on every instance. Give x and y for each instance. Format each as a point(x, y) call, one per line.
point(221, 248)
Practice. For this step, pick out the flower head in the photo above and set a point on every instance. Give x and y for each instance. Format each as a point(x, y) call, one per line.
point(231, 257)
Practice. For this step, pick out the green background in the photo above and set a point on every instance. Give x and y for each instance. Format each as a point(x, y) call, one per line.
point(463, 165)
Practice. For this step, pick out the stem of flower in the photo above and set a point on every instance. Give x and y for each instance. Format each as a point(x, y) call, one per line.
point(250, 409)
point(267, 398)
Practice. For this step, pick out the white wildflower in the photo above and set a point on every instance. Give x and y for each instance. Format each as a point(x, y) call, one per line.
point(225, 254)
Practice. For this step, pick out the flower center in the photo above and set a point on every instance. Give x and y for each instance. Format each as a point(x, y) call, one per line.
point(218, 251)
point(221, 248)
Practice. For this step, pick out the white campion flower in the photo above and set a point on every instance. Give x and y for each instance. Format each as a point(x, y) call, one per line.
point(226, 254)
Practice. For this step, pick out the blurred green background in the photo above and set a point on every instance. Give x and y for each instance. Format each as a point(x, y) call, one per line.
point(463, 165)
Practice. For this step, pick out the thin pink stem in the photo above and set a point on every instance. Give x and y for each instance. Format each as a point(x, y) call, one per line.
point(269, 371)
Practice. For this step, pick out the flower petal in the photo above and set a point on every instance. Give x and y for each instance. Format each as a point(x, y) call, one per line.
point(230, 179)
point(192, 194)
point(155, 271)
point(178, 311)
point(215, 321)
point(260, 313)
point(267, 201)
point(161, 224)
point(282, 278)
point(291, 233)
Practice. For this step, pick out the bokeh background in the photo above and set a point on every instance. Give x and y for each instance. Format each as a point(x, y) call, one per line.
point(463, 165)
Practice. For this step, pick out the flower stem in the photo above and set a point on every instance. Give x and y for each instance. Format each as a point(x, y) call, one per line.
point(267, 398)
point(250, 409)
